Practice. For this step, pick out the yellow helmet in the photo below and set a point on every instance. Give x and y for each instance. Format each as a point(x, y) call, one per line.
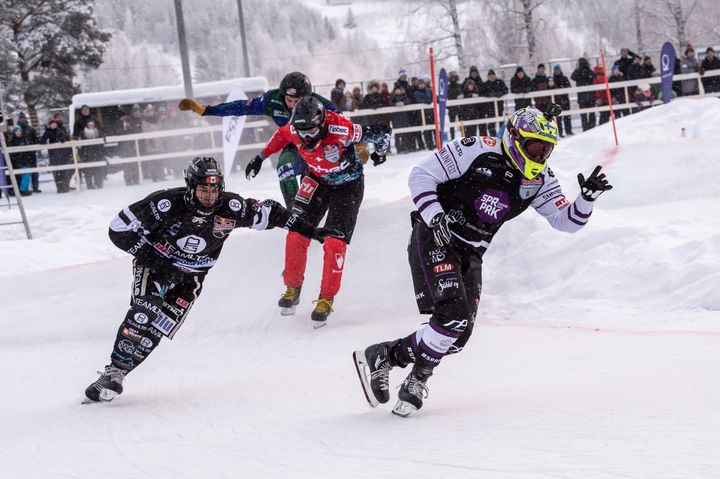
point(529, 139)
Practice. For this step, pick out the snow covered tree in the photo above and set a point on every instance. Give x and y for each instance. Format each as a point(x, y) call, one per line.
point(48, 40)
point(350, 20)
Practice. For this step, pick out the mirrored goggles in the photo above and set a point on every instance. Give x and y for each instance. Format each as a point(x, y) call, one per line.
point(538, 150)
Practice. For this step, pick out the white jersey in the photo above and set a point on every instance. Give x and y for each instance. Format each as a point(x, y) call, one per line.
point(473, 179)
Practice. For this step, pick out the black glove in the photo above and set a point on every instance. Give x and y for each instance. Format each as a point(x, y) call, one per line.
point(253, 167)
point(440, 225)
point(319, 234)
point(377, 158)
point(166, 272)
point(163, 267)
point(594, 186)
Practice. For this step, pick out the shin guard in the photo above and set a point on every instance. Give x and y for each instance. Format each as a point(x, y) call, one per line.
point(296, 250)
point(333, 264)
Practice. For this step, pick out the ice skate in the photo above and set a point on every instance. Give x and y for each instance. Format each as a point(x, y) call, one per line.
point(107, 386)
point(289, 299)
point(322, 310)
point(373, 368)
point(411, 394)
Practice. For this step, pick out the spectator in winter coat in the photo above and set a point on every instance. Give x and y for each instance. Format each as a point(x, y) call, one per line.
point(495, 88)
point(416, 117)
point(55, 133)
point(635, 71)
point(93, 175)
point(521, 83)
point(647, 69)
point(455, 91)
point(402, 81)
point(474, 75)
point(711, 62)
point(21, 160)
point(82, 120)
point(563, 101)
point(689, 64)
point(31, 156)
point(583, 76)
point(424, 94)
point(400, 119)
point(372, 101)
point(357, 98)
point(348, 103)
point(470, 111)
point(626, 59)
point(540, 83)
point(385, 92)
point(338, 94)
point(618, 94)
point(601, 95)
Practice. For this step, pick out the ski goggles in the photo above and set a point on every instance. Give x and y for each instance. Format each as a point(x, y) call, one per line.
point(310, 133)
point(537, 150)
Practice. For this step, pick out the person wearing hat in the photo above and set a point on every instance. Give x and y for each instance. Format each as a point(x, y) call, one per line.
point(519, 84)
point(711, 62)
point(82, 120)
point(474, 75)
point(21, 160)
point(601, 95)
point(540, 83)
point(54, 133)
point(495, 88)
point(560, 81)
point(31, 156)
point(618, 95)
point(402, 81)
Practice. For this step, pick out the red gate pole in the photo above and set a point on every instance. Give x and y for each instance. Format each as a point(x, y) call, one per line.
point(434, 97)
point(609, 98)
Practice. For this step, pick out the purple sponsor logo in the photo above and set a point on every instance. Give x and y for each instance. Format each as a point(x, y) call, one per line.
point(492, 205)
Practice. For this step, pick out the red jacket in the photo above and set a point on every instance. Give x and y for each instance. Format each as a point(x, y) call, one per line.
point(334, 160)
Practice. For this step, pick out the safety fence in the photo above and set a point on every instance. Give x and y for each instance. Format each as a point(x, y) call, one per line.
point(501, 105)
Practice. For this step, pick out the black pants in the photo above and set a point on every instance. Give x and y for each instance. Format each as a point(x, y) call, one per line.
point(447, 282)
point(566, 119)
point(340, 202)
point(587, 119)
point(156, 310)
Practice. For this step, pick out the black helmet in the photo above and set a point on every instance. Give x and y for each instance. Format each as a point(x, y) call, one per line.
point(203, 171)
point(295, 84)
point(308, 120)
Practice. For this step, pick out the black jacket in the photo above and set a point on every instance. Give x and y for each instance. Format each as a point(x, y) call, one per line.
point(583, 76)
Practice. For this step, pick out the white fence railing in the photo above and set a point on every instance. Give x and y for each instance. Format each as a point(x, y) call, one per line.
point(214, 148)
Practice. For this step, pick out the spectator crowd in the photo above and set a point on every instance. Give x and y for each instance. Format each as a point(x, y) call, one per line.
point(413, 90)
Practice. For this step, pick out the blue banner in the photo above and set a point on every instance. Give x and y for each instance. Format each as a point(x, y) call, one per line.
point(442, 100)
point(667, 66)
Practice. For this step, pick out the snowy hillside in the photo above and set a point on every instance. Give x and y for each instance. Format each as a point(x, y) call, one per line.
point(594, 354)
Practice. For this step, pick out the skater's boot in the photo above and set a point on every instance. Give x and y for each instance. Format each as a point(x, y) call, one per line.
point(322, 310)
point(108, 385)
point(412, 392)
point(373, 367)
point(289, 299)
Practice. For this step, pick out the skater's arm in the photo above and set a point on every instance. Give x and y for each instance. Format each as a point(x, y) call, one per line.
point(562, 215)
point(280, 139)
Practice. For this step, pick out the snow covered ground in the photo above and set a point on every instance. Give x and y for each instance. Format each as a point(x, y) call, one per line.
point(595, 355)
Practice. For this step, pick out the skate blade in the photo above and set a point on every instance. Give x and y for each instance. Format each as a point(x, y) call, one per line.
point(319, 324)
point(403, 409)
point(361, 368)
point(287, 311)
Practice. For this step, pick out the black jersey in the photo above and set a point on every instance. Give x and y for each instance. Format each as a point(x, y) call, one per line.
point(473, 179)
point(193, 242)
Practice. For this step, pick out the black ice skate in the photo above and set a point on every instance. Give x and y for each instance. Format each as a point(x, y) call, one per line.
point(373, 368)
point(107, 386)
point(411, 395)
point(289, 299)
point(322, 310)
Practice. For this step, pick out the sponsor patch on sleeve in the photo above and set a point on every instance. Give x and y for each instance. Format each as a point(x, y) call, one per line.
point(338, 130)
point(357, 133)
point(561, 203)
